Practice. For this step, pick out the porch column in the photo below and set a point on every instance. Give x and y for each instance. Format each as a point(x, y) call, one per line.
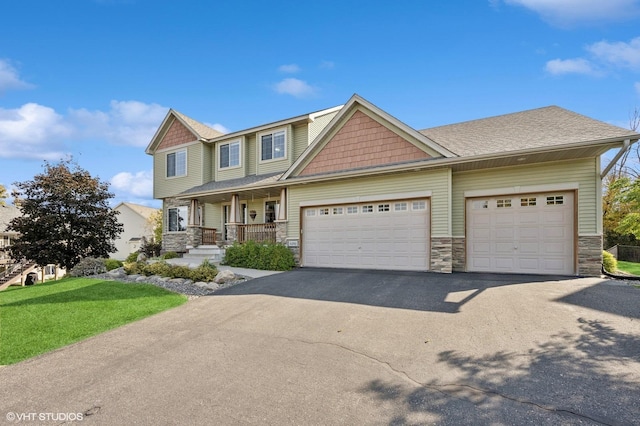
point(235, 209)
point(282, 211)
point(194, 232)
point(194, 213)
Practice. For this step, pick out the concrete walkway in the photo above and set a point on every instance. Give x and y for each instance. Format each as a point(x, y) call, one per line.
point(251, 273)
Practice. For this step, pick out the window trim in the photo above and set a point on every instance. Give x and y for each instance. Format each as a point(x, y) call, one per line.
point(219, 150)
point(175, 167)
point(186, 218)
point(272, 132)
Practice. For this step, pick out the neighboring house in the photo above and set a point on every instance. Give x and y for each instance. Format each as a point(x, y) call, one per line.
point(136, 227)
point(7, 213)
point(354, 187)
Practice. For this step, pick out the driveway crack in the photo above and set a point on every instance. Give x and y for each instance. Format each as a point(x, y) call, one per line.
point(441, 388)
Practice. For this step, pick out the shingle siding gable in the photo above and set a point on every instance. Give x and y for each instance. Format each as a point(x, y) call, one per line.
point(176, 135)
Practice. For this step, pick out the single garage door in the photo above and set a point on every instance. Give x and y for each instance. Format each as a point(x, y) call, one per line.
point(531, 233)
point(376, 235)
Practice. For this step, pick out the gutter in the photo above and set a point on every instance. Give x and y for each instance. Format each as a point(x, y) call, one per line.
point(625, 148)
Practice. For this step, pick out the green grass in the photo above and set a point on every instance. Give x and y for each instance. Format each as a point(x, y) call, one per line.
point(629, 267)
point(40, 318)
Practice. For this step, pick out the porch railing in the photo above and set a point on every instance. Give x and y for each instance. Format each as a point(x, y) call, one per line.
point(208, 236)
point(260, 233)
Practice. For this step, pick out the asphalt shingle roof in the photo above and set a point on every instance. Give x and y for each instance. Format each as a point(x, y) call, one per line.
point(248, 181)
point(202, 130)
point(537, 128)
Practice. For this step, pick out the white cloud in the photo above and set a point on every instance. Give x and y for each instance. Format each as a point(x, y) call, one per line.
point(129, 123)
point(219, 127)
point(571, 12)
point(9, 78)
point(570, 66)
point(33, 131)
point(327, 65)
point(294, 87)
point(620, 54)
point(138, 184)
point(289, 69)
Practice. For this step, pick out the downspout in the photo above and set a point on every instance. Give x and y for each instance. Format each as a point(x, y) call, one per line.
point(625, 148)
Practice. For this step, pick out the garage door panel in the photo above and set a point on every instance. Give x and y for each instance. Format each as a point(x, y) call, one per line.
point(533, 233)
point(393, 239)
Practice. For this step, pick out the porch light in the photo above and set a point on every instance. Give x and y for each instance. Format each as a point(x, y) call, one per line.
point(252, 214)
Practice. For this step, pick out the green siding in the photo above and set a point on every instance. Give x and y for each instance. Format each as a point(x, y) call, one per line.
point(584, 172)
point(278, 165)
point(207, 165)
point(252, 155)
point(168, 187)
point(438, 182)
point(316, 126)
point(300, 139)
point(235, 172)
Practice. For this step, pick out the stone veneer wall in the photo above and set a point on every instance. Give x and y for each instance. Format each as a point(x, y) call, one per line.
point(459, 261)
point(281, 237)
point(441, 252)
point(194, 236)
point(174, 241)
point(590, 255)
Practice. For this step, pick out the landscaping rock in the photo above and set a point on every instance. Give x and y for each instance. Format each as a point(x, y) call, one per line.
point(212, 286)
point(141, 257)
point(224, 277)
point(141, 279)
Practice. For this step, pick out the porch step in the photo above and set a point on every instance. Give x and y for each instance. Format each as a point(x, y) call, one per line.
point(213, 253)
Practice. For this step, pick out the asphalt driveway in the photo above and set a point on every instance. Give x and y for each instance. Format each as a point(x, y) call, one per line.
point(354, 347)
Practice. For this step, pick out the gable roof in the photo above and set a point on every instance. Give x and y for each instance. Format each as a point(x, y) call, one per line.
point(199, 130)
point(550, 126)
point(141, 210)
point(352, 105)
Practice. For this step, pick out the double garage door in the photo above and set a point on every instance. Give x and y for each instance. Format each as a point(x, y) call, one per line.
point(374, 235)
point(532, 233)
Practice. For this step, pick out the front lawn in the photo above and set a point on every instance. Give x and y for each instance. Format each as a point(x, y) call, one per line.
point(629, 267)
point(40, 318)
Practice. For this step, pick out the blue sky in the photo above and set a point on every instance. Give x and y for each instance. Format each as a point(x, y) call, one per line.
point(94, 78)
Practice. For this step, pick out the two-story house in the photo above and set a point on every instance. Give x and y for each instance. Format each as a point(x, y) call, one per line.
point(354, 187)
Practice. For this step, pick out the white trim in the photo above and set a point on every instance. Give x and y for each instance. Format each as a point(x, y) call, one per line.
point(315, 115)
point(367, 198)
point(521, 189)
point(589, 235)
point(272, 132)
point(218, 156)
point(186, 163)
point(176, 147)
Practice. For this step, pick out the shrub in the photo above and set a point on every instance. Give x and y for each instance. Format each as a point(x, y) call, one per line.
point(88, 266)
point(134, 268)
point(157, 268)
point(204, 272)
point(274, 257)
point(609, 262)
point(133, 257)
point(112, 264)
point(170, 255)
point(151, 249)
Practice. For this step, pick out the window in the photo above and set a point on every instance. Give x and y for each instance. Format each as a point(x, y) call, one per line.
point(324, 212)
point(383, 207)
point(555, 200)
point(400, 207)
point(352, 210)
point(480, 204)
point(311, 212)
point(527, 202)
point(230, 155)
point(273, 145)
point(337, 210)
point(419, 205)
point(270, 211)
point(367, 209)
point(504, 202)
point(177, 164)
point(177, 219)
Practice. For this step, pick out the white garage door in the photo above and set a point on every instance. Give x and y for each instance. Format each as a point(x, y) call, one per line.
point(379, 235)
point(530, 233)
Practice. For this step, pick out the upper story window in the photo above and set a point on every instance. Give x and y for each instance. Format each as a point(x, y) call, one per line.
point(230, 154)
point(272, 145)
point(177, 163)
